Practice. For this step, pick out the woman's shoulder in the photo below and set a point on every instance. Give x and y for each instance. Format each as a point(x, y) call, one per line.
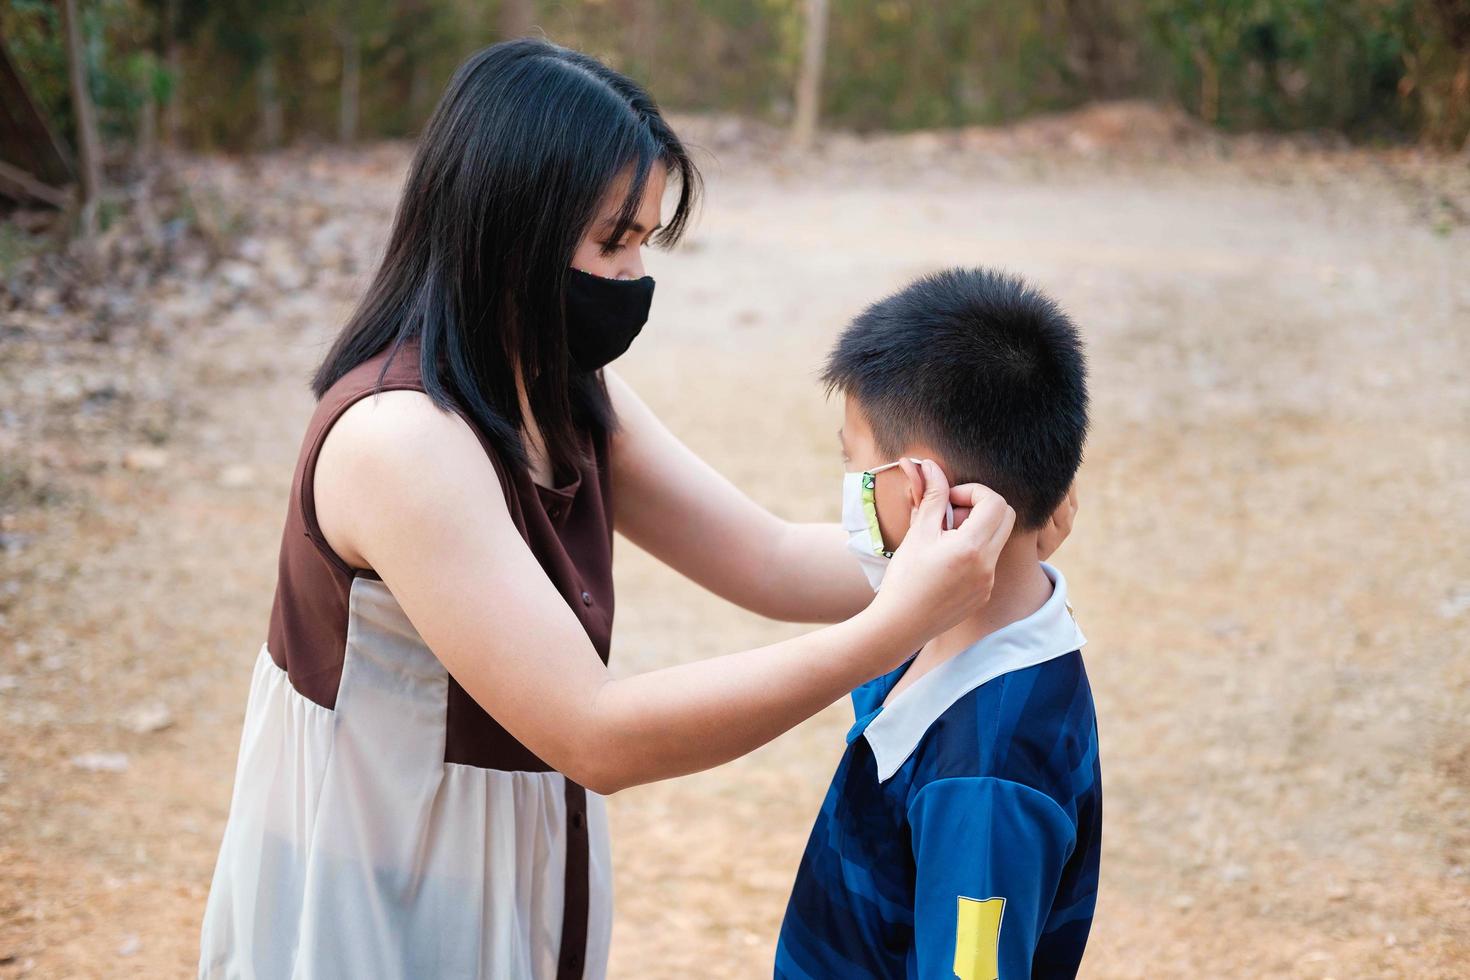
point(402, 432)
point(381, 410)
point(396, 452)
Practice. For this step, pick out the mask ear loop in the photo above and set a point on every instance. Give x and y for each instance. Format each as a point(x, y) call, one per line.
point(948, 505)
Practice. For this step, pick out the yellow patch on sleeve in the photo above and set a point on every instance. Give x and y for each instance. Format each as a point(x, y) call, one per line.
point(977, 938)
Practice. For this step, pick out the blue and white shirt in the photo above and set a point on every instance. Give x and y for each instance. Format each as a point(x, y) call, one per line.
point(962, 831)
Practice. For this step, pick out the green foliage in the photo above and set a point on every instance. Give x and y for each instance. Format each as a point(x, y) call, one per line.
point(910, 63)
point(1371, 68)
point(17, 245)
point(1287, 64)
point(123, 71)
point(734, 55)
point(32, 33)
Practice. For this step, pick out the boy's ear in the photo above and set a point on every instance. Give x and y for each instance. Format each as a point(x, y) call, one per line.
point(915, 476)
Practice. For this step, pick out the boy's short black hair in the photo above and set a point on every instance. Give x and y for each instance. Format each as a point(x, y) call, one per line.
point(983, 368)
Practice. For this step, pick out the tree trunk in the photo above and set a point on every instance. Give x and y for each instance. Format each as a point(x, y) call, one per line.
point(1095, 47)
point(809, 80)
point(1454, 17)
point(89, 148)
point(419, 92)
point(1460, 93)
point(351, 85)
point(148, 130)
point(517, 17)
point(173, 109)
point(268, 94)
point(1209, 86)
point(639, 27)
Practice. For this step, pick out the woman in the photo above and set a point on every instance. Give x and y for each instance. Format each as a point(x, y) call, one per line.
point(432, 697)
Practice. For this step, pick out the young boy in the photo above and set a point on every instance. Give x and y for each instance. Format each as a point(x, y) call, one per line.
point(961, 833)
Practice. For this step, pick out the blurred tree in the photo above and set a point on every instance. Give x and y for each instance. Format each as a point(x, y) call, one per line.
point(89, 148)
point(809, 81)
point(1101, 52)
point(33, 34)
point(640, 21)
point(240, 73)
point(34, 164)
point(268, 96)
point(1207, 36)
point(357, 24)
point(517, 17)
point(1454, 16)
point(265, 26)
point(173, 41)
point(345, 28)
point(174, 26)
point(351, 82)
point(427, 30)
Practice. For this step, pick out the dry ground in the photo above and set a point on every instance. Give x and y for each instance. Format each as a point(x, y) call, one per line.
point(1271, 560)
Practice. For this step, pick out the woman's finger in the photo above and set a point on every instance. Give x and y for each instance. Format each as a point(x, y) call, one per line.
point(930, 515)
point(960, 497)
point(987, 513)
point(915, 476)
point(961, 493)
point(1002, 533)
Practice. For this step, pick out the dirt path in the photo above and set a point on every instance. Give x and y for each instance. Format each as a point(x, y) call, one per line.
point(1271, 564)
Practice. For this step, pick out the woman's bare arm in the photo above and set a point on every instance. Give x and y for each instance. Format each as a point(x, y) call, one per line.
point(406, 489)
point(678, 508)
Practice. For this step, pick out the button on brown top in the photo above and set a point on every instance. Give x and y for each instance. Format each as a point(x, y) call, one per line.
point(586, 598)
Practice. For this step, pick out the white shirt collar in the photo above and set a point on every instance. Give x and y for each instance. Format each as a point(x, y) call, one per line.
point(1047, 633)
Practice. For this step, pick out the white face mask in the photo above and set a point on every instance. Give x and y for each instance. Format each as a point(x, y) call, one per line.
point(860, 521)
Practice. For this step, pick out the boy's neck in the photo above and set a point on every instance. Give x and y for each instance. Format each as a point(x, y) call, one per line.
point(1021, 588)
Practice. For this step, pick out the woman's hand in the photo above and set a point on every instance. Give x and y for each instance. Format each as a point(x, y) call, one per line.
point(1058, 526)
point(406, 489)
point(939, 577)
point(676, 507)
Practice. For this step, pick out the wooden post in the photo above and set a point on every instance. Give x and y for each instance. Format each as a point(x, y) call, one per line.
point(809, 80)
point(88, 146)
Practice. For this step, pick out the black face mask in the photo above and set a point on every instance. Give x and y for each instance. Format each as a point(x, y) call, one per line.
point(603, 317)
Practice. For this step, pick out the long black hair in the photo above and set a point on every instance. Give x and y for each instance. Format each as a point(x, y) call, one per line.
point(523, 148)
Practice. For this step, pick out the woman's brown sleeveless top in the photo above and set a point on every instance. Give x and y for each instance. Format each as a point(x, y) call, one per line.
point(382, 822)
